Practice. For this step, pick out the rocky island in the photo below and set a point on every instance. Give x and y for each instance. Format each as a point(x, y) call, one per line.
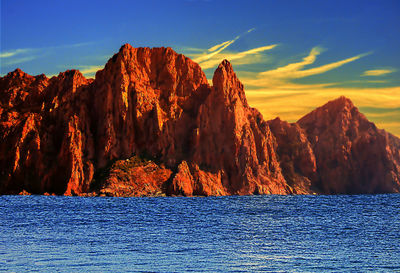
point(150, 124)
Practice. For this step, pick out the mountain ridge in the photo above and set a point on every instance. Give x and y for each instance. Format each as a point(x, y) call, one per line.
point(150, 124)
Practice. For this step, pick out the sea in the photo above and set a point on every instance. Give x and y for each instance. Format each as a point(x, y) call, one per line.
point(273, 233)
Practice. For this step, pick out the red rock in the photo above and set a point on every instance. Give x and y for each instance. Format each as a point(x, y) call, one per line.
point(24, 192)
point(353, 156)
point(296, 156)
point(233, 139)
point(134, 177)
point(58, 134)
point(183, 182)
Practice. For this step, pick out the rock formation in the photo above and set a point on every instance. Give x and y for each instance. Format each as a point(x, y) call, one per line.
point(336, 150)
point(296, 155)
point(353, 156)
point(150, 124)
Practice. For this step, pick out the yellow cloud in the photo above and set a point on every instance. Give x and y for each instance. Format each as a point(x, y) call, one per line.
point(14, 52)
point(280, 77)
point(216, 47)
point(215, 50)
point(287, 70)
point(378, 72)
point(293, 70)
point(250, 30)
point(327, 67)
point(90, 70)
point(19, 60)
point(238, 58)
point(212, 56)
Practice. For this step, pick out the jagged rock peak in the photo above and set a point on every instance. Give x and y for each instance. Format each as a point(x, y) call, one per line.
point(227, 83)
point(125, 47)
point(139, 54)
point(341, 109)
point(71, 73)
point(159, 68)
point(223, 73)
point(339, 104)
point(18, 73)
point(336, 106)
point(74, 77)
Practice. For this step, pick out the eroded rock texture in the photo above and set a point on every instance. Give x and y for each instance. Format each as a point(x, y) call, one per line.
point(154, 125)
point(353, 156)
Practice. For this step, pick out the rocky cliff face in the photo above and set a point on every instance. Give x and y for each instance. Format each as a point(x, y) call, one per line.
point(150, 124)
point(151, 103)
point(336, 150)
point(353, 156)
point(296, 156)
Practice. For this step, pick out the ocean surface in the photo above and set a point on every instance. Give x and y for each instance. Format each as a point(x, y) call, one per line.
point(359, 233)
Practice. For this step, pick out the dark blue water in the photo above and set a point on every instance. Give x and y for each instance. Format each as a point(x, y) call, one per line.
point(213, 234)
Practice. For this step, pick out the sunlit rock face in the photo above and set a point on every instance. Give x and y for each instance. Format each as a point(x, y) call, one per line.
point(353, 156)
point(150, 124)
point(336, 150)
point(296, 156)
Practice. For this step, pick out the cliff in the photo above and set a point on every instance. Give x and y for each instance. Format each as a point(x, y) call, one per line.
point(150, 124)
point(336, 150)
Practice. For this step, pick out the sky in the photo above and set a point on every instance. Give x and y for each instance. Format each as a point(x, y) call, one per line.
point(291, 56)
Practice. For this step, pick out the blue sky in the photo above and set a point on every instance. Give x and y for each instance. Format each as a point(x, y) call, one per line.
point(292, 56)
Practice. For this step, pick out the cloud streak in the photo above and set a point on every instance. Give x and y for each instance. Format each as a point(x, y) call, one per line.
point(378, 72)
point(281, 77)
point(211, 57)
point(23, 55)
point(19, 60)
point(237, 58)
point(214, 51)
point(12, 53)
point(90, 70)
point(294, 70)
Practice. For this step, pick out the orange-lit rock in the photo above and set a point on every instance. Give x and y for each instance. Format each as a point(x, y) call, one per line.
point(233, 139)
point(133, 177)
point(296, 156)
point(183, 182)
point(352, 155)
point(59, 134)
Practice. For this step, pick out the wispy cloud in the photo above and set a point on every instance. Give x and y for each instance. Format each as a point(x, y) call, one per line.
point(14, 52)
point(378, 72)
point(293, 71)
point(211, 57)
point(76, 44)
point(281, 77)
point(90, 70)
point(23, 55)
point(293, 68)
point(19, 60)
point(238, 58)
point(214, 51)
